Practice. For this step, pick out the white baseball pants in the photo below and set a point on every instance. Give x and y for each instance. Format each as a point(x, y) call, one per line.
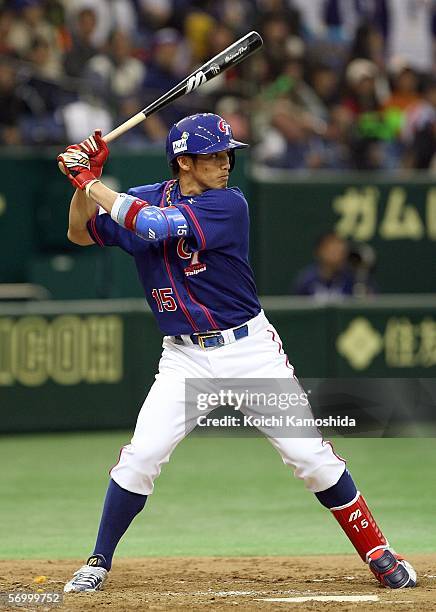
point(161, 423)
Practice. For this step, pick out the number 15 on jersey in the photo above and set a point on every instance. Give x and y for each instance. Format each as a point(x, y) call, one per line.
point(164, 299)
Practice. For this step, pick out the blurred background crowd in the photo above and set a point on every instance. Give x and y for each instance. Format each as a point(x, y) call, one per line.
point(341, 84)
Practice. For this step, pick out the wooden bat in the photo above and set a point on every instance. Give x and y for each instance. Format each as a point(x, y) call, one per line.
point(235, 53)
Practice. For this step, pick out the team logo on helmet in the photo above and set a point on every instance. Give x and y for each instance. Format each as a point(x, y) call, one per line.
point(224, 127)
point(181, 145)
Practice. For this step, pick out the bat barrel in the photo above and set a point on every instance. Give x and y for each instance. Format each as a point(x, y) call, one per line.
point(235, 53)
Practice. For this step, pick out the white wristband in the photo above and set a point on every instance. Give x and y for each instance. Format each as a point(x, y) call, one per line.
point(89, 185)
point(117, 205)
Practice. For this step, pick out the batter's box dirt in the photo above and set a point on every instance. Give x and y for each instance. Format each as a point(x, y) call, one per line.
point(229, 584)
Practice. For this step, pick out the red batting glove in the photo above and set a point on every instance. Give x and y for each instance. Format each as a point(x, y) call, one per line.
point(77, 167)
point(97, 151)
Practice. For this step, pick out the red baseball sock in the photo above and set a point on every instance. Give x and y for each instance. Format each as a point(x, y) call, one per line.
point(359, 525)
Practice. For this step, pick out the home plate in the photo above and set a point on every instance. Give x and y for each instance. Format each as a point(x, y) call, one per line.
point(355, 598)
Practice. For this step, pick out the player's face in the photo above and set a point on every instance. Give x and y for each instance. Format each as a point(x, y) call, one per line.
point(211, 171)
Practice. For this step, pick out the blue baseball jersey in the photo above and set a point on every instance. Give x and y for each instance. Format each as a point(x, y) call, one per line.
point(198, 283)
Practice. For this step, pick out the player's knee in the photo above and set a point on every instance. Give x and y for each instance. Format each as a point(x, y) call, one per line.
point(151, 453)
point(319, 469)
point(138, 467)
point(148, 459)
point(319, 476)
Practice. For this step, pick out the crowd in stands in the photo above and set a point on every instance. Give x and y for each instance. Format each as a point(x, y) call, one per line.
point(340, 84)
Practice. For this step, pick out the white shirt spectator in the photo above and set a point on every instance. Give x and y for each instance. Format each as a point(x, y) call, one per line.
point(82, 117)
point(312, 15)
point(123, 79)
point(410, 36)
point(111, 15)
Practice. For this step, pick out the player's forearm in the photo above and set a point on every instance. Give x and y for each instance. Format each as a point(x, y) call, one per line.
point(104, 196)
point(81, 210)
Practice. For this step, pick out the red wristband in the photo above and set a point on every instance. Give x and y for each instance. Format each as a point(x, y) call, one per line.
point(132, 212)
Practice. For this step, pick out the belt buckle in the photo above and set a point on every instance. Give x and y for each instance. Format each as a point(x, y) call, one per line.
point(203, 337)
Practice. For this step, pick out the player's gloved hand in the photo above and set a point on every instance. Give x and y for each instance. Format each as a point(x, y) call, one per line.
point(96, 149)
point(77, 166)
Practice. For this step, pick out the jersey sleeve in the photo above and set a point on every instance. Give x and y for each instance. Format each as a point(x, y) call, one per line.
point(216, 218)
point(105, 232)
point(143, 191)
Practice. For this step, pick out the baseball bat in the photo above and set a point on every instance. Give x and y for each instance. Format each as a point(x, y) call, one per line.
point(231, 56)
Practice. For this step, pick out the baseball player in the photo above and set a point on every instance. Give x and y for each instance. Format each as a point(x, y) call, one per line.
point(188, 237)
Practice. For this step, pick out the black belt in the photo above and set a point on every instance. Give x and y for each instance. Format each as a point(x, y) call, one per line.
point(213, 339)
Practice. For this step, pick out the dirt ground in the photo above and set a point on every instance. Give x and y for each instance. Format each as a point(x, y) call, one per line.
point(225, 584)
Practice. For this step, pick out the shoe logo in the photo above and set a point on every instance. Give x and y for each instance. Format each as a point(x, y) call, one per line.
point(355, 515)
point(93, 561)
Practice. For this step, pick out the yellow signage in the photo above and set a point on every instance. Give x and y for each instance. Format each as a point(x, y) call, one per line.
point(405, 344)
point(361, 219)
point(67, 350)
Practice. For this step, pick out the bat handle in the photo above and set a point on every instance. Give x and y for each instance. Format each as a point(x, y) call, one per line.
point(124, 127)
point(118, 131)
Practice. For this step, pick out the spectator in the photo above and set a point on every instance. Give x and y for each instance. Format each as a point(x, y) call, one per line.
point(12, 105)
point(237, 14)
point(81, 117)
point(157, 14)
point(312, 18)
point(369, 44)
point(405, 87)
point(41, 80)
point(199, 29)
point(362, 261)
point(163, 67)
point(117, 73)
point(234, 111)
point(276, 31)
point(362, 95)
point(411, 33)
point(223, 36)
point(419, 132)
point(324, 82)
point(306, 117)
point(31, 25)
point(370, 130)
point(43, 64)
point(111, 16)
point(164, 71)
point(299, 134)
point(40, 86)
point(6, 24)
point(82, 48)
point(331, 275)
point(342, 17)
point(224, 83)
